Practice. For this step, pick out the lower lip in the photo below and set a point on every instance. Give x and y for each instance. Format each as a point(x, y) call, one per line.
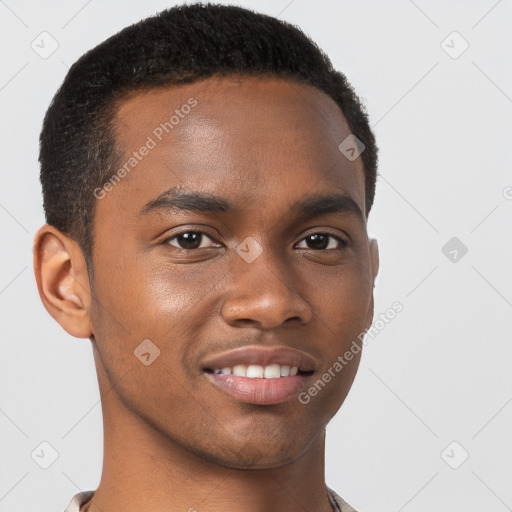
point(259, 391)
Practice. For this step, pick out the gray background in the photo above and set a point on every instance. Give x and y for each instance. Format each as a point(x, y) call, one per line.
point(438, 373)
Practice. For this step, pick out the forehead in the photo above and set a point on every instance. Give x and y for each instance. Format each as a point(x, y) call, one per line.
point(249, 138)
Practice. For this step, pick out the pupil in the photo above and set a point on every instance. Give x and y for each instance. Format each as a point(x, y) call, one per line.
point(318, 241)
point(190, 240)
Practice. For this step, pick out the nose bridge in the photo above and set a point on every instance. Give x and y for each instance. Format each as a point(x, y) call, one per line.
point(263, 290)
point(259, 264)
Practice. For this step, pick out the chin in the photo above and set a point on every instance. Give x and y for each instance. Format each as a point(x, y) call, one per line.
point(252, 454)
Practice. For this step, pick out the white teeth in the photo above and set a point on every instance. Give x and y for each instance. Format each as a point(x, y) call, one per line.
point(239, 370)
point(255, 371)
point(272, 371)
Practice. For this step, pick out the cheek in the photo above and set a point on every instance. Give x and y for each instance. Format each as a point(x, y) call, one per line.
point(343, 297)
point(341, 319)
point(142, 296)
point(150, 312)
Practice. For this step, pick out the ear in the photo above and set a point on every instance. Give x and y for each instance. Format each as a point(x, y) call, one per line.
point(374, 258)
point(62, 280)
point(374, 264)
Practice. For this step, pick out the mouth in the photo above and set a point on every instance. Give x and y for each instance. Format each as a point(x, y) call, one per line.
point(259, 375)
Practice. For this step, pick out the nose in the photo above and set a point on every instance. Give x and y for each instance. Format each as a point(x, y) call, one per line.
point(264, 292)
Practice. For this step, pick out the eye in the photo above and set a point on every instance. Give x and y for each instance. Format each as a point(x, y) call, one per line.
point(188, 240)
point(321, 241)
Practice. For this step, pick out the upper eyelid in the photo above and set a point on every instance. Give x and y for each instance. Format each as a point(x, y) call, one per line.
point(167, 239)
point(342, 240)
point(170, 237)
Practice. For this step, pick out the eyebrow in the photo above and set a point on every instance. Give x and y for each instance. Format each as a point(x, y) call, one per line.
point(175, 199)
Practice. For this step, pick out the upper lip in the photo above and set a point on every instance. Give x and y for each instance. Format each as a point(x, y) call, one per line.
point(262, 356)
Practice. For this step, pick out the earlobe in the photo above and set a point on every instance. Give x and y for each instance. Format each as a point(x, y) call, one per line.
point(62, 280)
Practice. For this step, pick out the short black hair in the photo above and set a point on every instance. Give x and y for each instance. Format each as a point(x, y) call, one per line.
point(183, 44)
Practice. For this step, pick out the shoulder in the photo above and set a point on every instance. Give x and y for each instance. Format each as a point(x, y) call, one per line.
point(78, 500)
point(340, 502)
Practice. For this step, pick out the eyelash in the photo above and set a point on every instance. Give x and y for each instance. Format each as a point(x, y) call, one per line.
point(343, 242)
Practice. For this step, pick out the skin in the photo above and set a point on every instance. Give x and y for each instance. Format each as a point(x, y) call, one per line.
point(173, 441)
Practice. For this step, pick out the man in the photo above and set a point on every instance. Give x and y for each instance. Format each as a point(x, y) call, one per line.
point(207, 179)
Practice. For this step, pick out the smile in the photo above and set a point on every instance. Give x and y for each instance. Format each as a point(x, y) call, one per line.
point(260, 375)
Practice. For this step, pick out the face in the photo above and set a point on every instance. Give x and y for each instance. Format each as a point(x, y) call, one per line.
point(261, 260)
